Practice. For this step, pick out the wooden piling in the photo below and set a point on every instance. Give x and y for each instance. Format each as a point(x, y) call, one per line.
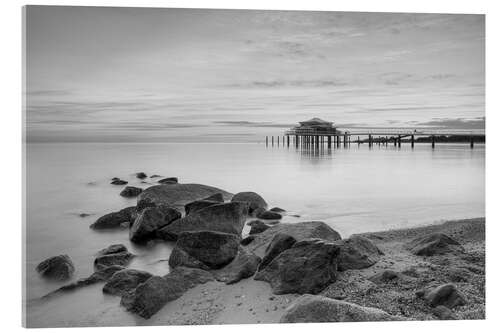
point(399, 141)
point(288, 140)
point(413, 141)
point(433, 139)
point(267, 141)
point(471, 142)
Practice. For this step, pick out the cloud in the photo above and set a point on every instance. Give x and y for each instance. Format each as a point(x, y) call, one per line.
point(244, 123)
point(455, 123)
point(318, 83)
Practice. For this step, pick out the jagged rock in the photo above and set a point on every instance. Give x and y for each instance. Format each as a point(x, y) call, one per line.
point(319, 309)
point(115, 248)
point(199, 204)
point(307, 267)
point(268, 215)
point(279, 243)
point(119, 182)
point(225, 217)
point(299, 231)
point(277, 210)
point(141, 175)
point(212, 249)
point(434, 244)
point(443, 313)
point(445, 294)
point(258, 228)
point(357, 252)
point(176, 195)
point(57, 268)
point(125, 281)
point(244, 265)
point(253, 199)
point(120, 258)
point(169, 180)
point(150, 220)
point(149, 297)
point(254, 222)
point(247, 240)
point(115, 219)
point(130, 191)
point(215, 197)
point(385, 276)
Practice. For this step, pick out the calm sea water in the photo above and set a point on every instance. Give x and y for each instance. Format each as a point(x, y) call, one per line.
point(353, 190)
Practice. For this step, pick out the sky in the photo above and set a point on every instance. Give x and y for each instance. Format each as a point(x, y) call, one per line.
point(96, 74)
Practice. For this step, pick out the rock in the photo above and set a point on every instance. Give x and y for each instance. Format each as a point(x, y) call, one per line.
point(141, 175)
point(247, 240)
point(434, 244)
point(125, 281)
point(258, 228)
point(198, 204)
point(212, 249)
point(254, 222)
point(268, 215)
point(176, 195)
point(57, 268)
point(357, 252)
point(119, 182)
point(150, 296)
point(277, 210)
point(319, 309)
point(150, 220)
point(299, 231)
point(243, 266)
point(225, 217)
point(130, 191)
point(279, 243)
point(307, 267)
point(169, 180)
point(155, 176)
point(115, 178)
point(253, 199)
point(121, 258)
point(445, 294)
point(385, 276)
point(115, 219)
point(84, 215)
point(215, 197)
point(443, 313)
point(115, 248)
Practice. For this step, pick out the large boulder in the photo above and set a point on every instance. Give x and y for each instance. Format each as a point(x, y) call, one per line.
point(204, 249)
point(225, 217)
point(115, 219)
point(150, 220)
point(434, 244)
point(149, 297)
point(269, 215)
point(299, 231)
point(257, 227)
point(119, 257)
point(319, 309)
point(254, 200)
point(115, 248)
point(124, 281)
point(243, 266)
point(177, 194)
point(57, 268)
point(445, 294)
point(199, 204)
point(279, 243)
point(307, 267)
point(130, 191)
point(357, 252)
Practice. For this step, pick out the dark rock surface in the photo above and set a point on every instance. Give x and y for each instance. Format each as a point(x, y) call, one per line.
point(176, 194)
point(212, 249)
point(247, 240)
point(141, 175)
point(434, 244)
point(215, 197)
point(124, 281)
point(357, 252)
point(120, 258)
point(115, 248)
point(115, 219)
point(225, 217)
point(243, 266)
point(130, 191)
point(279, 243)
point(268, 215)
point(57, 268)
point(319, 309)
point(150, 220)
point(257, 228)
point(150, 296)
point(253, 199)
point(445, 294)
point(119, 182)
point(277, 210)
point(169, 180)
point(299, 231)
point(443, 313)
point(307, 267)
point(385, 276)
point(155, 176)
point(199, 204)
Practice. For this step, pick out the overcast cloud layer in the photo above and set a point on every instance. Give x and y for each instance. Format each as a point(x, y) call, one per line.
point(123, 74)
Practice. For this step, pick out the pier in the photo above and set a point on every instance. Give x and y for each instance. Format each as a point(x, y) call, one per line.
point(318, 133)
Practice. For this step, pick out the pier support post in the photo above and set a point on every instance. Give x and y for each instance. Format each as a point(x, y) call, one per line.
point(278, 140)
point(329, 141)
point(395, 141)
point(413, 141)
point(317, 140)
point(288, 140)
point(471, 142)
point(345, 140)
point(267, 141)
point(296, 141)
point(399, 141)
point(272, 140)
point(433, 139)
point(370, 140)
point(359, 142)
